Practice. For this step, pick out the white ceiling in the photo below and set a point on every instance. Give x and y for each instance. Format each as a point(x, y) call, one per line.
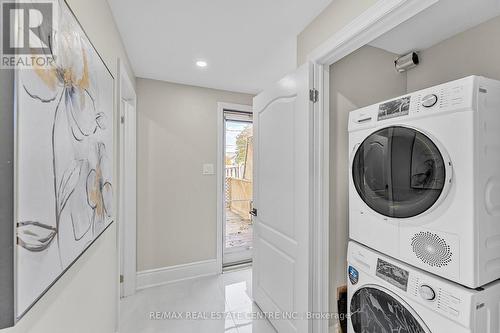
point(437, 23)
point(247, 44)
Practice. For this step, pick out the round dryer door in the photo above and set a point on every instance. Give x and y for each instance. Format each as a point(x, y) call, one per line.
point(399, 172)
point(378, 310)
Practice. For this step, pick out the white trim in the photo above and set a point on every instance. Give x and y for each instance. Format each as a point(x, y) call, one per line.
point(380, 18)
point(320, 229)
point(220, 187)
point(220, 173)
point(160, 276)
point(374, 22)
point(127, 210)
point(233, 107)
point(236, 256)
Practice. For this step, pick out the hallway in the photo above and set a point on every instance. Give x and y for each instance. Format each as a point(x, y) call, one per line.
point(225, 297)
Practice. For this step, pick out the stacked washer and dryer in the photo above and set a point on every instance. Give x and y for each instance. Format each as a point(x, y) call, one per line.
point(424, 211)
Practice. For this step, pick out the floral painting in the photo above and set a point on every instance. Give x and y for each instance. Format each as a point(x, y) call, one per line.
point(64, 146)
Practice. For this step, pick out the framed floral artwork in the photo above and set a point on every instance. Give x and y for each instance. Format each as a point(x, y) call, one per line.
point(64, 158)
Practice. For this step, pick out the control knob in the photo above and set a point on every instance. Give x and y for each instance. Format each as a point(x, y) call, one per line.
point(426, 292)
point(429, 101)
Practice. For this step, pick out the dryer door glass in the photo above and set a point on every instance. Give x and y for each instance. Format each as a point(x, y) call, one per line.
point(375, 311)
point(398, 172)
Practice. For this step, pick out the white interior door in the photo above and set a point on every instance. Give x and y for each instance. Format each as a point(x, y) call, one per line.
point(283, 120)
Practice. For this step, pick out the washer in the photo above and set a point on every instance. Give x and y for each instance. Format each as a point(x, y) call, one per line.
point(386, 295)
point(424, 181)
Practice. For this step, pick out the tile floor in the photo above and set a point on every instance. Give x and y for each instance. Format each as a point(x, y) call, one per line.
point(228, 295)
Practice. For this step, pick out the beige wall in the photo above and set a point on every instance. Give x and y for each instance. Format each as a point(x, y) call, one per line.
point(177, 133)
point(85, 298)
point(475, 51)
point(97, 19)
point(337, 15)
point(364, 77)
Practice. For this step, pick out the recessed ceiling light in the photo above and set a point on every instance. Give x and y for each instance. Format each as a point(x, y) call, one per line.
point(201, 63)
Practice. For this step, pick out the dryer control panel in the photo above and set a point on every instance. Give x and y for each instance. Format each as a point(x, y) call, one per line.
point(452, 96)
point(455, 96)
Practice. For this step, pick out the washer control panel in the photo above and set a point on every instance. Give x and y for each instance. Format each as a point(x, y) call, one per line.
point(437, 296)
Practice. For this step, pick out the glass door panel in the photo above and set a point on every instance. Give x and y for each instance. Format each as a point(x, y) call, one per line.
point(238, 186)
point(398, 172)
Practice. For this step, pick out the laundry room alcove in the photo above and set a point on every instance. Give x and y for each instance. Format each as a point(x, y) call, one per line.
point(450, 44)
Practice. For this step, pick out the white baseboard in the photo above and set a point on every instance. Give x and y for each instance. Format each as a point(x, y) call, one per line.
point(159, 276)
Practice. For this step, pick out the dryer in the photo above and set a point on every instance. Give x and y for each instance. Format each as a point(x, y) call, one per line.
point(386, 295)
point(424, 180)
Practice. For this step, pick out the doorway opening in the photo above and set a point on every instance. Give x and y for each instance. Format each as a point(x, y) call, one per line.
point(237, 187)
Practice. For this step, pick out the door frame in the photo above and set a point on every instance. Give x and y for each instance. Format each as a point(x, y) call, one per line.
point(378, 19)
point(220, 172)
point(127, 206)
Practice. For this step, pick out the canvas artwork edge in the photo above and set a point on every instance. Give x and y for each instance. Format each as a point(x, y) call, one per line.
point(91, 178)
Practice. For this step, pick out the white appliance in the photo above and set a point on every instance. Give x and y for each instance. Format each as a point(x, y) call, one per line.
point(386, 295)
point(425, 179)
